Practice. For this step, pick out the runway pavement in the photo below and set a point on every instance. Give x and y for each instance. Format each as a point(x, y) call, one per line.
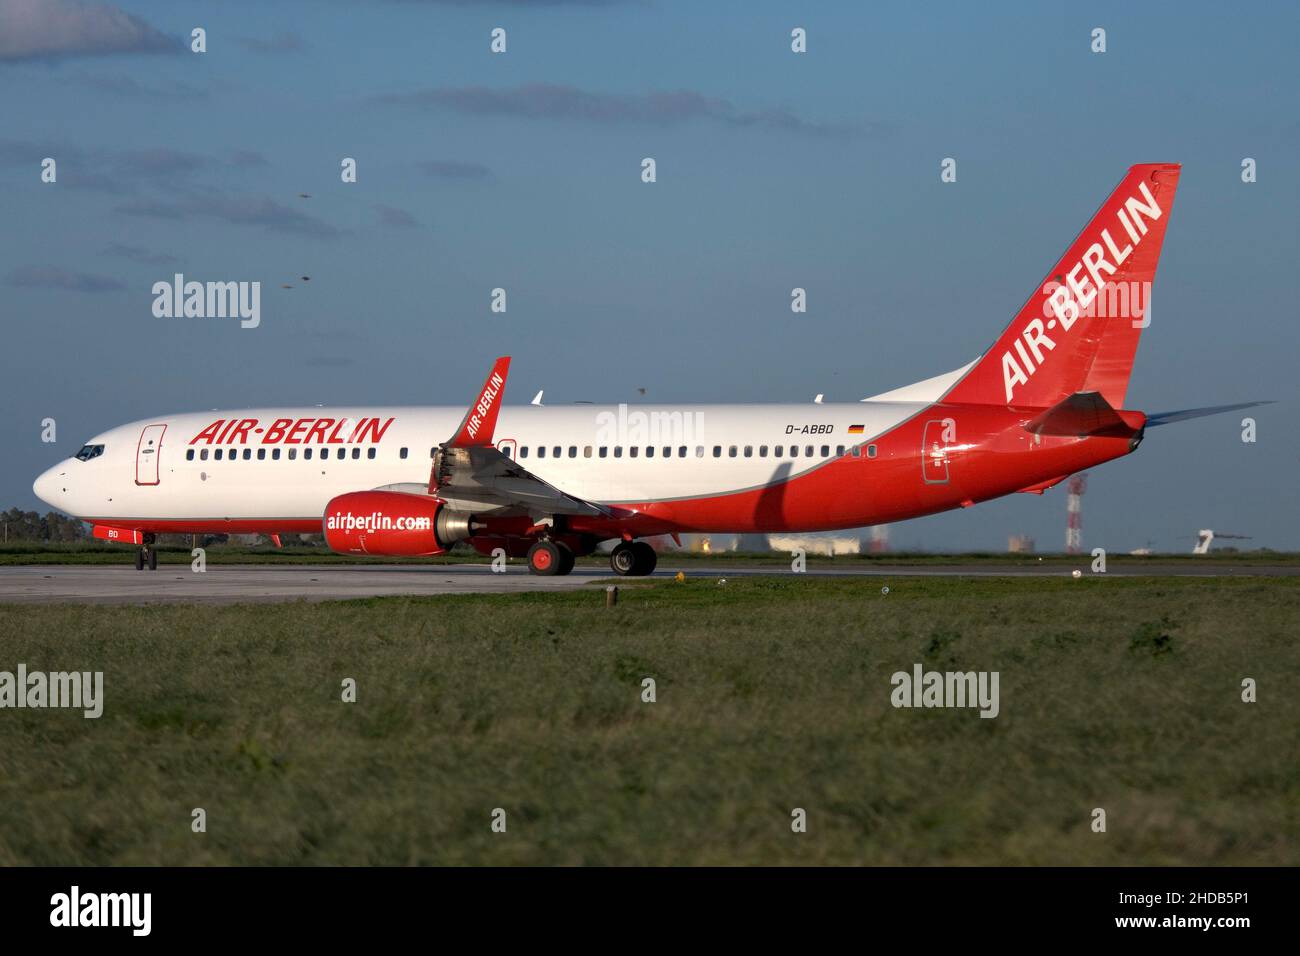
point(228, 584)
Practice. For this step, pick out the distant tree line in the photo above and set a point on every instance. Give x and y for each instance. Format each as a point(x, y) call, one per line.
point(30, 526)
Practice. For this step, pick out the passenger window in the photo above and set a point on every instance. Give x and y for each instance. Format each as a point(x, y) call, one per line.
point(189, 454)
point(356, 453)
point(555, 452)
point(573, 451)
point(826, 451)
point(731, 452)
point(777, 450)
point(342, 453)
point(402, 454)
point(306, 454)
point(871, 451)
point(857, 451)
point(839, 450)
point(699, 451)
point(217, 455)
point(809, 451)
point(370, 453)
point(203, 455)
point(541, 451)
point(604, 451)
point(523, 452)
point(668, 452)
point(634, 451)
point(762, 451)
point(749, 451)
point(248, 454)
point(650, 452)
point(586, 451)
point(794, 451)
point(681, 451)
point(275, 454)
point(618, 451)
point(261, 454)
point(717, 451)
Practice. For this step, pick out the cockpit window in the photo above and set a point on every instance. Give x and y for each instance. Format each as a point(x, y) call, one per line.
point(89, 451)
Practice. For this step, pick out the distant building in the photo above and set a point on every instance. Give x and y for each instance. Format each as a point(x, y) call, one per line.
point(1020, 544)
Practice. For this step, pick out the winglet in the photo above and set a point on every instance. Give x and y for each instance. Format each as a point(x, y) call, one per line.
point(480, 421)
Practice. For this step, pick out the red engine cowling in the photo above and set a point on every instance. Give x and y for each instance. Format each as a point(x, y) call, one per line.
point(392, 523)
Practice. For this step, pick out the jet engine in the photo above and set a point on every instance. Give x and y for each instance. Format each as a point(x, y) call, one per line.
point(393, 523)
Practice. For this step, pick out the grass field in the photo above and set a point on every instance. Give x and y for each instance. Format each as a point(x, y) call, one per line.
point(773, 693)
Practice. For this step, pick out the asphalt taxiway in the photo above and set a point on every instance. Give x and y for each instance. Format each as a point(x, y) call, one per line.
point(228, 584)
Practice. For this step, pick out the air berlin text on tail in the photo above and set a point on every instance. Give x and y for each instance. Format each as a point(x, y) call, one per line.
point(1068, 301)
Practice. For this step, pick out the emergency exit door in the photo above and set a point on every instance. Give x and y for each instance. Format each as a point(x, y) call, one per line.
point(934, 452)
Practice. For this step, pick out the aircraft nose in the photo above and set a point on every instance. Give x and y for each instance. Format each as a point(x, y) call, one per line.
point(49, 485)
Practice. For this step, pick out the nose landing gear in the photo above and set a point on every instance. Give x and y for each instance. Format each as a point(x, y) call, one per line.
point(146, 554)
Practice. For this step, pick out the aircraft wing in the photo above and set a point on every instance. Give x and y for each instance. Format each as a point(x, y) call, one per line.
point(468, 472)
point(482, 477)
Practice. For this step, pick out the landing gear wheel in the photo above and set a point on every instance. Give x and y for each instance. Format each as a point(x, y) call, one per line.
point(546, 558)
point(139, 560)
point(623, 559)
point(646, 558)
point(153, 560)
point(634, 558)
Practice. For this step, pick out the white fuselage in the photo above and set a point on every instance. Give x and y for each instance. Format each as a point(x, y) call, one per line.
point(291, 471)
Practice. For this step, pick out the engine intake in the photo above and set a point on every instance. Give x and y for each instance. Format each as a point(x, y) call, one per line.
point(393, 523)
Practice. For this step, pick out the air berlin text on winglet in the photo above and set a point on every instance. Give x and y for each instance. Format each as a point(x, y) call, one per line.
point(1067, 302)
point(290, 431)
point(484, 404)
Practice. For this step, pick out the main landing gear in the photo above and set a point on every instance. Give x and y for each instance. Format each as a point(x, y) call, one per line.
point(547, 557)
point(630, 558)
point(633, 558)
point(146, 554)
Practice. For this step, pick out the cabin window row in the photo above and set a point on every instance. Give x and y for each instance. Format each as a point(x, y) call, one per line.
point(233, 454)
point(555, 451)
point(700, 451)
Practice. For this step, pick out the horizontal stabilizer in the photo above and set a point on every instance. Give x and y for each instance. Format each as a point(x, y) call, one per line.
point(1085, 413)
point(1166, 418)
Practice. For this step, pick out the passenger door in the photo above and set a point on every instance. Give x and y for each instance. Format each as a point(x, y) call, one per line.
point(147, 453)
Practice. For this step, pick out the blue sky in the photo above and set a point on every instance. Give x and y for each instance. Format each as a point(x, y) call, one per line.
point(522, 170)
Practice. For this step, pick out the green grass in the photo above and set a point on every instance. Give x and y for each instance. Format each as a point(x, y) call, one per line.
point(772, 694)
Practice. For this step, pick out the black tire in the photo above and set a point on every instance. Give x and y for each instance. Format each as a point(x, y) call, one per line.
point(545, 559)
point(646, 558)
point(623, 559)
point(567, 559)
point(153, 560)
point(139, 560)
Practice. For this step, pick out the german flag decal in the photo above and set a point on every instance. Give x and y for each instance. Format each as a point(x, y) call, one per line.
point(855, 429)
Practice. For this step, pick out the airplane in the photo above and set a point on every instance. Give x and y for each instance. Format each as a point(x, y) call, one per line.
point(550, 483)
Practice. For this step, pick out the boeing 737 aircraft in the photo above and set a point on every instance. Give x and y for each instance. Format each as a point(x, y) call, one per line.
point(1047, 400)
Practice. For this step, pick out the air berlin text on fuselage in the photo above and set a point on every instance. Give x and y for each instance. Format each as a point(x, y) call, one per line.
point(1065, 303)
point(293, 431)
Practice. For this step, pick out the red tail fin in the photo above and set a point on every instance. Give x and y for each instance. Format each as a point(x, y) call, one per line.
point(1079, 331)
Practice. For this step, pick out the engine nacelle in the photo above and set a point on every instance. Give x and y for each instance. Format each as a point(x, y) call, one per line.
point(392, 523)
